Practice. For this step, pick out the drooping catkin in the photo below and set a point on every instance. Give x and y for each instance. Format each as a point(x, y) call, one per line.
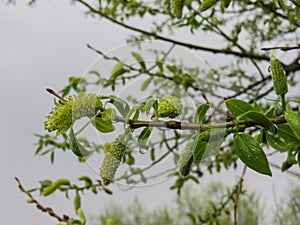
point(112, 160)
point(186, 159)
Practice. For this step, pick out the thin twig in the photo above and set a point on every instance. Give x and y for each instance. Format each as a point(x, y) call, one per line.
point(236, 200)
point(282, 48)
point(63, 218)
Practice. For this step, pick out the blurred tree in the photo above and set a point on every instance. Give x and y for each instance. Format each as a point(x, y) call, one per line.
point(192, 207)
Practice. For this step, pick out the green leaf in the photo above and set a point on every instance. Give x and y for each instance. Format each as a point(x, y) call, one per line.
point(75, 146)
point(286, 133)
point(251, 153)
point(143, 137)
point(159, 64)
point(238, 107)
point(146, 83)
point(117, 70)
point(257, 108)
point(120, 104)
point(275, 142)
point(148, 105)
point(259, 119)
point(139, 59)
point(290, 161)
point(109, 114)
point(200, 114)
point(104, 126)
point(77, 202)
point(208, 143)
point(48, 190)
point(293, 120)
point(270, 112)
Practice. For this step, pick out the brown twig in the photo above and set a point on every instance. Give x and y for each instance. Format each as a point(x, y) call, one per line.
point(63, 218)
point(282, 48)
point(236, 200)
point(52, 92)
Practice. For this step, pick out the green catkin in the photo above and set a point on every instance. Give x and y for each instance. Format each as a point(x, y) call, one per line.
point(71, 109)
point(206, 4)
point(112, 159)
point(278, 76)
point(177, 6)
point(169, 106)
point(186, 159)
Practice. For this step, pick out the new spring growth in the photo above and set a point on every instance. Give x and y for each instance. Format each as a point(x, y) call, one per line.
point(67, 111)
point(169, 106)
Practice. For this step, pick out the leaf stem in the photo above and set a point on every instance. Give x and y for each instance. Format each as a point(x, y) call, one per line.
point(283, 102)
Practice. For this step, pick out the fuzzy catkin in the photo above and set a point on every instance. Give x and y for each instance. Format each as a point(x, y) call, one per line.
point(169, 106)
point(278, 76)
point(186, 159)
point(112, 160)
point(71, 109)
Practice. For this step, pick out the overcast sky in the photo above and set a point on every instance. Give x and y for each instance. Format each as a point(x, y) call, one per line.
point(41, 47)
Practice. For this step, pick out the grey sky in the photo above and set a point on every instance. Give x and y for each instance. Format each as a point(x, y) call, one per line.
point(41, 47)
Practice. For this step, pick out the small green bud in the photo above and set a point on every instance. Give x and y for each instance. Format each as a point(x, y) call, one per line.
point(112, 159)
point(177, 6)
point(278, 76)
point(169, 106)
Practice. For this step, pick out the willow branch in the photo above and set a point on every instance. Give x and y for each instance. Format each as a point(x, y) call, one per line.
point(179, 125)
point(184, 44)
point(173, 124)
point(63, 218)
point(282, 48)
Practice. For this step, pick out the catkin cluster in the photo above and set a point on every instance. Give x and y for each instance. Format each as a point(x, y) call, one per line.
point(112, 159)
point(169, 106)
point(71, 109)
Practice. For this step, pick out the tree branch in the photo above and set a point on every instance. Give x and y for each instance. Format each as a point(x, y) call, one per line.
point(63, 218)
point(184, 44)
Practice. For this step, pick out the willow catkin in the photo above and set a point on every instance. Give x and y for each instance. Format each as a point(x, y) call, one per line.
point(169, 106)
point(278, 76)
point(112, 160)
point(186, 158)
